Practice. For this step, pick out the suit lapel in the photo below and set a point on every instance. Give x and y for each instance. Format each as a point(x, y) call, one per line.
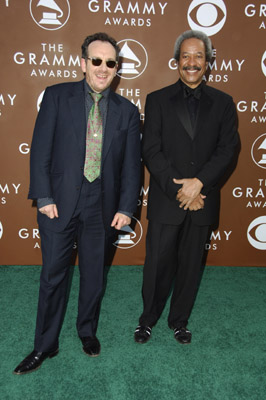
point(76, 103)
point(181, 110)
point(111, 123)
point(184, 117)
point(182, 113)
point(205, 106)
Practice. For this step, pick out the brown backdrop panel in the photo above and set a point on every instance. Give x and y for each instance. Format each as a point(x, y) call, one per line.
point(40, 46)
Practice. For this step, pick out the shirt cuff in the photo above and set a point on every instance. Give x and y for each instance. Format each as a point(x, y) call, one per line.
point(45, 201)
point(128, 214)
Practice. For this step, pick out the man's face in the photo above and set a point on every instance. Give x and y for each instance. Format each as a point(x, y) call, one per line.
point(99, 77)
point(192, 63)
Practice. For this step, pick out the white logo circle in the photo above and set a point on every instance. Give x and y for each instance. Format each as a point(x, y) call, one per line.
point(39, 101)
point(1, 230)
point(130, 238)
point(263, 63)
point(204, 16)
point(134, 59)
point(258, 151)
point(50, 14)
point(257, 233)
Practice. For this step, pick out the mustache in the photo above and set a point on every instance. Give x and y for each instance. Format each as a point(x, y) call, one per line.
point(194, 67)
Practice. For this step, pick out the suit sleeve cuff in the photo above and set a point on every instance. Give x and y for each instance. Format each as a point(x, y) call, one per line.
point(128, 214)
point(45, 201)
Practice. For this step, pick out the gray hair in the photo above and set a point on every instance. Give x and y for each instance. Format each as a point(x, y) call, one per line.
point(193, 34)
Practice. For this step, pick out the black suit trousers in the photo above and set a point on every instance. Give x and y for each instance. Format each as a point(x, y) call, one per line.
point(86, 226)
point(174, 256)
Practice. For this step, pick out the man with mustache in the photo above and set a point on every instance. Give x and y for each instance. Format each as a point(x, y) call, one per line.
point(189, 141)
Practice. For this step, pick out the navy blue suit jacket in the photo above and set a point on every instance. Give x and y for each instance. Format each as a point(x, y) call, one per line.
point(171, 149)
point(58, 153)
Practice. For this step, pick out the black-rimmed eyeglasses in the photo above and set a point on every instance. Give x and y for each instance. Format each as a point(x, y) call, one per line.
point(96, 62)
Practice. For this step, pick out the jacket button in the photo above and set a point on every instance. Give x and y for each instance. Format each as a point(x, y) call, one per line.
point(192, 163)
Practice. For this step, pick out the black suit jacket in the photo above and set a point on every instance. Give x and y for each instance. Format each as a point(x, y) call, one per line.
point(172, 150)
point(58, 153)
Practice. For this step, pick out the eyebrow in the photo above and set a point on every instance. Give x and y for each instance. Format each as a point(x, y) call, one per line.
point(100, 58)
point(191, 52)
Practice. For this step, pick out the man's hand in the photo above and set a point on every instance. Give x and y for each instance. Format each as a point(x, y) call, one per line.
point(120, 220)
point(190, 190)
point(197, 204)
point(50, 211)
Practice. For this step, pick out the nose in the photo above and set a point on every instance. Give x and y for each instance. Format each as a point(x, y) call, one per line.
point(192, 60)
point(103, 66)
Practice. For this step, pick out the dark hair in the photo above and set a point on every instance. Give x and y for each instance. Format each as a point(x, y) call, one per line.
point(103, 37)
point(193, 34)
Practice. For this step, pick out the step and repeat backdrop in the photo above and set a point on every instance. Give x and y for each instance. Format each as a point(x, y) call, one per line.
point(40, 46)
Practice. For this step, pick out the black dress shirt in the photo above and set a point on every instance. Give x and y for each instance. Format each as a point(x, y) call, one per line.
point(192, 99)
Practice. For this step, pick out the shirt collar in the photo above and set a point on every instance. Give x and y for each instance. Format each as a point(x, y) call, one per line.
point(88, 89)
point(188, 91)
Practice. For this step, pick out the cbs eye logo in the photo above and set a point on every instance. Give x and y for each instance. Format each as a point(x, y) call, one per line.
point(257, 233)
point(207, 16)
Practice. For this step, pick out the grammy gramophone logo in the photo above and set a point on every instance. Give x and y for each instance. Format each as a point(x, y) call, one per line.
point(133, 59)
point(129, 237)
point(258, 151)
point(50, 14)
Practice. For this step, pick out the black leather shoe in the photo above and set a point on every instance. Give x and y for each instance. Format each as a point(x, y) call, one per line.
point(183, 335)
point(33, 361)
point(142, 334)
point(91, 346)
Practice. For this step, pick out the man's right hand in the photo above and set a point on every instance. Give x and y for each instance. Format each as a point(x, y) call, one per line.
point(50, 211)
point(198, 203)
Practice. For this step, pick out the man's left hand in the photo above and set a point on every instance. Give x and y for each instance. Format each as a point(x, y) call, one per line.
point(191, 188)
point(120, 220)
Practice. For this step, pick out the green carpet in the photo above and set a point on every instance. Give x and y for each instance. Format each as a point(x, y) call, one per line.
point(226, 359)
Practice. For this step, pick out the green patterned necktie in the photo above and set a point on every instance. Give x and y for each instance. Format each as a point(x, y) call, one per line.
point(92, 166)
